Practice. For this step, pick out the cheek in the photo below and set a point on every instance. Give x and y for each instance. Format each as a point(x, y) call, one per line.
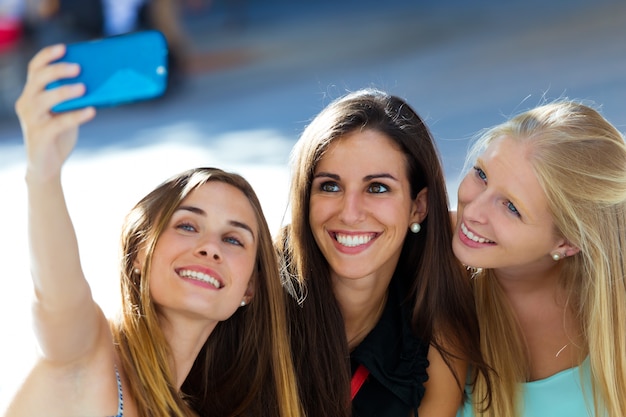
point(317, 213)
point(465, 192)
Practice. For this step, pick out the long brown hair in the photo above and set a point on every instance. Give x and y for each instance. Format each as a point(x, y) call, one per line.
point(439, 290)
point(245, 366)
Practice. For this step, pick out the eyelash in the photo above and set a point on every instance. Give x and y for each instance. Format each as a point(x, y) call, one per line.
point(229, 239)
point(235, 240)
point(382, 188)
point(326, 187)
point(480, 173)
point(511, 207)
point(331, 187)
point(185, 226)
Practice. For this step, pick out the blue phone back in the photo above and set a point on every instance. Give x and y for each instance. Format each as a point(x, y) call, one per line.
point(117, 70)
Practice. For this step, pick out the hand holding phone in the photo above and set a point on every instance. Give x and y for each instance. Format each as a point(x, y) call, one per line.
point(117, 70)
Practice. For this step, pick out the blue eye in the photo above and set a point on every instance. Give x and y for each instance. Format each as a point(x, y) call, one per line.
point(377, 188)
point(480, 173)
point(188, 227)
point(511, 207)
point(233, 241)
point(329, 187)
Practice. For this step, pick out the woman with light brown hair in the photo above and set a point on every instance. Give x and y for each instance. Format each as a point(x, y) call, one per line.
point(202, 329)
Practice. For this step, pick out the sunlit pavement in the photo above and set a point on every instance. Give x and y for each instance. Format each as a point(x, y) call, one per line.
point(462, 70)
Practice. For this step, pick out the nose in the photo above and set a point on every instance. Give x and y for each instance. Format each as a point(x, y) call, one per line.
point(352, 208)
point(473, 204)
point(208, 248)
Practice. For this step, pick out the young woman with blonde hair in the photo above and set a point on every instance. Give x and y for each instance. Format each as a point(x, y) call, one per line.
point(542, 219)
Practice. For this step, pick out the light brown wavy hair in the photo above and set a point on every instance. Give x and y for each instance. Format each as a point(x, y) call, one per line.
point(245, 365)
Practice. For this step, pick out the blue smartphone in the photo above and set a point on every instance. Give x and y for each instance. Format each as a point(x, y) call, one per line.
point(117, 70)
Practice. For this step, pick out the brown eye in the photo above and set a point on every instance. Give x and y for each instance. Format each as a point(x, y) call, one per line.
point(377, 188)
point(329, 187)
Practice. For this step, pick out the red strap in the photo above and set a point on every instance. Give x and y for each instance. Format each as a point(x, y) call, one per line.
point(358, 379)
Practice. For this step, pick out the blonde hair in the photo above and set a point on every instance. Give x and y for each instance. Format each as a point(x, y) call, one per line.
point(253, 342)
point(580, 161)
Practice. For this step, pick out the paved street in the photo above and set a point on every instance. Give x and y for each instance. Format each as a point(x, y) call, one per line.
point(254, 88)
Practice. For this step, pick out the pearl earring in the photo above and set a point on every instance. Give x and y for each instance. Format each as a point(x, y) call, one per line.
point(137, 271)
point(243, 303)
point(415, 227)
point(556, 256)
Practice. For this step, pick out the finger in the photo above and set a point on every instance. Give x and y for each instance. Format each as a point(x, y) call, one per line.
point(58, 125)
point(63, 122)
point(52, 97)
point(41, 77)
point(45, 57)
point(33, 103)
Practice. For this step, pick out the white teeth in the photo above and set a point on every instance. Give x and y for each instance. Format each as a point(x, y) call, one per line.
point(473, 237)
point(199, 276)
point(352, 241)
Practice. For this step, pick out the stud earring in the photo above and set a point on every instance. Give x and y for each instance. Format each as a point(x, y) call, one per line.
point(556, 256)
point(243, 303)
point(137, 271)
point(415, 227)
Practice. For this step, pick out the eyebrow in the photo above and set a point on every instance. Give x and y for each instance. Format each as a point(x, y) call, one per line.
point(234, 223)
point(366, 178)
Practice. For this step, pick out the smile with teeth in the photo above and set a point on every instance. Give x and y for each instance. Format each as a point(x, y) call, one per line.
point(354, 240)
point(473, 237)
point(199, 276)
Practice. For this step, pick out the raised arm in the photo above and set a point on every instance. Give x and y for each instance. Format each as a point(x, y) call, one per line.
point(67, 320)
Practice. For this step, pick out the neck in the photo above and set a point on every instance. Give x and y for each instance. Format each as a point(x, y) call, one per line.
point(551, 332)
point(529, 280)
point(185, 339)
point(361, 311)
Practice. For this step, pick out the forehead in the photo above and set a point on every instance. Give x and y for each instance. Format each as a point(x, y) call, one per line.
point(221, 199)
point(367, 149)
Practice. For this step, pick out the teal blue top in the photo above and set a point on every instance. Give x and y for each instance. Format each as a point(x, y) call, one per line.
point(559, 395)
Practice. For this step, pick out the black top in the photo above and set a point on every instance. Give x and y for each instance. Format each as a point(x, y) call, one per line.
point(396, 360)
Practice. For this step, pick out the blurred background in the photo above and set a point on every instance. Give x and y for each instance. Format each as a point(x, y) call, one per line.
point(248, 75)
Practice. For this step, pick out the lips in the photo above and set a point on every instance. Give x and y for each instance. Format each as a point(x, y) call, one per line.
point(200, 276)
point(473, 236)
point(353, 240)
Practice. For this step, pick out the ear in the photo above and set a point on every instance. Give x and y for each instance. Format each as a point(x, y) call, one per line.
point(140, 260)
point(419, 207)
point(566, 248)
point(249, 294)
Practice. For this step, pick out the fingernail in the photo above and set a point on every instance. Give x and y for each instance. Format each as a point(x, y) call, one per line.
point(57, 49)
point(77, 88)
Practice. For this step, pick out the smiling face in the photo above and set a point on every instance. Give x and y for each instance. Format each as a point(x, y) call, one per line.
point(361, 207)
point(204, 260)
point(503, 220)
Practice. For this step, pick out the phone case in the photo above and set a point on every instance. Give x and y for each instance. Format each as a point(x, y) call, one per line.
point(117, 70)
